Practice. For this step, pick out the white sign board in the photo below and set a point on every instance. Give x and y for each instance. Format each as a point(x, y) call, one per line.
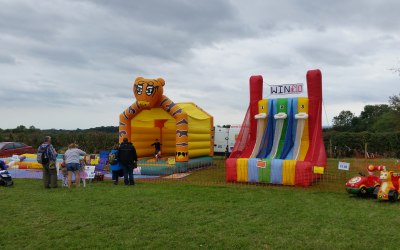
point(344, 166)
point(286, 89)
point(137, 171)
point(89, 172)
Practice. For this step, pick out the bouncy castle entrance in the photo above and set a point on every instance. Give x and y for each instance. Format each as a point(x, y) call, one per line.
point(150, 125)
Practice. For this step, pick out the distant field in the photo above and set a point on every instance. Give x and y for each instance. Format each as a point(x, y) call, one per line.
point(200, 211)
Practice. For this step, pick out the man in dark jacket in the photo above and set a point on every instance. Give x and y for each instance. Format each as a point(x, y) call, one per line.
point(49, 163)
point(127, 158)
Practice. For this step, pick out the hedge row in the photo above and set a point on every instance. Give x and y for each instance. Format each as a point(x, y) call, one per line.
point(339, 143)
point(90, 142)
point(348, 143)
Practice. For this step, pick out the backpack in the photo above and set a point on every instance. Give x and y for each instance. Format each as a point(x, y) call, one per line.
point(42, 156)
point(113, 158)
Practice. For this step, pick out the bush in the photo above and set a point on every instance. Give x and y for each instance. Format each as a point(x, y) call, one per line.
point(346, 143)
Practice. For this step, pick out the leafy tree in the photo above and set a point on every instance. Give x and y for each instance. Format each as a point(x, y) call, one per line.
point(19, 129)
point(343, 121)
point(387, 122)
point(394, 102)
point(371, 114)
point(357, 124)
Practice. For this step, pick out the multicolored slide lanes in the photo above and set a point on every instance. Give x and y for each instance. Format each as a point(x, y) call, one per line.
point(281, 139)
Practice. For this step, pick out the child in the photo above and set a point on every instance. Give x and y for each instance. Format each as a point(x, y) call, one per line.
point(64, 173)
point(115, 168)
point(157, 149)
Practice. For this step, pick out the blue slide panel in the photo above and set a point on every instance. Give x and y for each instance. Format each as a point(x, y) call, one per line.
point(252, 170)
point(276, 171)
point(268, 136)
point(291, 130)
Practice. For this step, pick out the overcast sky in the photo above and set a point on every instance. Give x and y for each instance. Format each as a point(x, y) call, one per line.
point(70, 64)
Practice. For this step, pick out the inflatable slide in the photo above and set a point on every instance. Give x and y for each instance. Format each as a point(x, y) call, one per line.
point(281, 139)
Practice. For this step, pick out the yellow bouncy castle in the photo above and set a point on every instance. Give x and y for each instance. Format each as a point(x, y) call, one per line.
point(184, 130)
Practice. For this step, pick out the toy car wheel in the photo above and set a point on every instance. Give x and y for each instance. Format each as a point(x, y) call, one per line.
point(363, 191)
point(393, 195)
point(375, 193)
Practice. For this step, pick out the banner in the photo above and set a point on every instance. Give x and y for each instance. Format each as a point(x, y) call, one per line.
point(286, 89)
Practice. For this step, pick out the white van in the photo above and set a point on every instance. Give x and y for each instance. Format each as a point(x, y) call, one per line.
point(225, 137)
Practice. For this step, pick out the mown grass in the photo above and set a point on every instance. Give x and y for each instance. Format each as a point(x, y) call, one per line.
point(181, 215)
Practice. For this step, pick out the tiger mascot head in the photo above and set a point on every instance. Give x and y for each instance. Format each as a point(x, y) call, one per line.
point(148, 92)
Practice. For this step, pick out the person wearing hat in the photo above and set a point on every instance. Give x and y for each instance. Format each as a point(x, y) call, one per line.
point(128, 160)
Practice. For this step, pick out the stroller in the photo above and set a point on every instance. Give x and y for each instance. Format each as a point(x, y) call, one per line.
point(5, 177)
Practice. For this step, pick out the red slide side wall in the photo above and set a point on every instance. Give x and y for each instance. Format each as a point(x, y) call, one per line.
point(231, 173)
point(256, 93)
point(303, 174)
point(316, 152)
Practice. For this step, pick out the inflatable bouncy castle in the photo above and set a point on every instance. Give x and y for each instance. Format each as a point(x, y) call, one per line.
point(184, 130)
point(280, 141)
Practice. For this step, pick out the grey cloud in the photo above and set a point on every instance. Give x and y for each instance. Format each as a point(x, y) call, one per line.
point(327, 56)
point(29, 20)
point(286, 15)
point(68, 57)
point(215, 18)
point(103, 31)
point(81, 54)
point(6, 59)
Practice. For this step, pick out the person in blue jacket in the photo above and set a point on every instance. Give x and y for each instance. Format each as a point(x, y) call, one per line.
point(3, 165)
point(115, 167)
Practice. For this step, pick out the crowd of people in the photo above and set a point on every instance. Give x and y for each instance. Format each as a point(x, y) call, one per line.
point(122, 160)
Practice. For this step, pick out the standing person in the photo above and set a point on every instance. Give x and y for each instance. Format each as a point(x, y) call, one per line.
point(64, 173)
point(3, 165)
point(226, 152)
point(115, 167)
point(127, 158)
point(72, 161)
point(48, 158)
point(157, 149)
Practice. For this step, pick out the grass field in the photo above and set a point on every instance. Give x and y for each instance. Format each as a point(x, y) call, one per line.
point(185, 214)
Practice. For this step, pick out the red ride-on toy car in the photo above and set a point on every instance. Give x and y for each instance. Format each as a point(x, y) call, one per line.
point(363, 185)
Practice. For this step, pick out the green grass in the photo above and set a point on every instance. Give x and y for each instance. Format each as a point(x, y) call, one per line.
point(183, 215)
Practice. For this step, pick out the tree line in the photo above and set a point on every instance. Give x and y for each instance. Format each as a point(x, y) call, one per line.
point(90, 140)
point(375, 131)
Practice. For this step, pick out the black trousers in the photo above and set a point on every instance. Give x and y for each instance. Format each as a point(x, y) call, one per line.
point(128, 174)
point(115, 175)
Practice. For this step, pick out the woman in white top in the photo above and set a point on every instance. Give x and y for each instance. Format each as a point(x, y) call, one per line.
point(72, 162)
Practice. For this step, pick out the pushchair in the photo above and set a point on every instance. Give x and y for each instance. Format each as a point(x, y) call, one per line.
point(5, 178)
